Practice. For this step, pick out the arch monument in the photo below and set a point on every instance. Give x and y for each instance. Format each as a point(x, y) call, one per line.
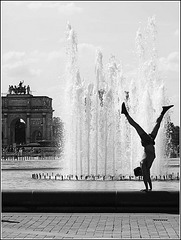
point(25, 118)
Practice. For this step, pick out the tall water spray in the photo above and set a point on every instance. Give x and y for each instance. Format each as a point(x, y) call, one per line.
point(98, 139)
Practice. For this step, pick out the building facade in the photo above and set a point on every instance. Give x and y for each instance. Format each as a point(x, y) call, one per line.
point(25, 118)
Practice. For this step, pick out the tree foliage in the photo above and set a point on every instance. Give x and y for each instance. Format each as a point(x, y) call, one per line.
point(58, 132)
point(173, 133)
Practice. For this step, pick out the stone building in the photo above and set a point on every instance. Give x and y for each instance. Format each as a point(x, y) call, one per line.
point(25, 118)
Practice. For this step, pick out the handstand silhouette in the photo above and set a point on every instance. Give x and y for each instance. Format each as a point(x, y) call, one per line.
point(147, 141)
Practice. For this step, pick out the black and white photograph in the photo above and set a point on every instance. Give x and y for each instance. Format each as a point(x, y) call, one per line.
point(90, 119)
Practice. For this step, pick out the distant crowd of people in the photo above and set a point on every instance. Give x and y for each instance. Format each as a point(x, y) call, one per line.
point(15, 150)
point(20, 151)
point(11, 149)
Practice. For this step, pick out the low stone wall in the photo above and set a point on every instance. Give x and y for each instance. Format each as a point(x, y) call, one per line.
point(90, 201)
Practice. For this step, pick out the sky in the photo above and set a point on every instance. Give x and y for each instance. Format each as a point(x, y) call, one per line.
point(33, 42)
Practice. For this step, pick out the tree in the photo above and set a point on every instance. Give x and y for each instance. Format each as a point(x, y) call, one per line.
point(173, 134)
point(58, 132)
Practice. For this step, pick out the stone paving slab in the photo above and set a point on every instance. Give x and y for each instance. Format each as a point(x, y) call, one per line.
point(90, 226)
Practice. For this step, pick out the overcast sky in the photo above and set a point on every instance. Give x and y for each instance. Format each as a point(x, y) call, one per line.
point(33, 42)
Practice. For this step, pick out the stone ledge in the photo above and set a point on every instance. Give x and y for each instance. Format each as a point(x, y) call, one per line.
point(90, 201)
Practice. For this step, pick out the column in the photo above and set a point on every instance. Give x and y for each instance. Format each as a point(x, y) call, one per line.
point(44, 125)
point(28, 128)
point(49, 127)
point(5, 129)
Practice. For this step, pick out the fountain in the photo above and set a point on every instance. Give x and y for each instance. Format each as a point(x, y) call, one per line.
point(98, 139)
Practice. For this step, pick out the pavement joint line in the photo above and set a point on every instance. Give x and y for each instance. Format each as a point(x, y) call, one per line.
point(75, 228)
point(35, 232)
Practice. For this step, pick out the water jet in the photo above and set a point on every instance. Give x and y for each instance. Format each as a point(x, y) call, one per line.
point(98, 140)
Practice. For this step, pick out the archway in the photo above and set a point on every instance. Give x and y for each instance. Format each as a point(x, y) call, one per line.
point(18, 131)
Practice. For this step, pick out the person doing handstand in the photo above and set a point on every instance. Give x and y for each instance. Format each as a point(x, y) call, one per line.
point(147, 141)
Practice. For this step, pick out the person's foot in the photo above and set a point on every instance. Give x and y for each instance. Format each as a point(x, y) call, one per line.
point(165, 108)
point(124, 110)
point(144, 190)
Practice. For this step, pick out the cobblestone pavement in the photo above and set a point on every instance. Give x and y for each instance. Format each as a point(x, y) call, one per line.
point(89, 225)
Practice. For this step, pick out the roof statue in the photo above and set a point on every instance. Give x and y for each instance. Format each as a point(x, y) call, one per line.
point(20, 89)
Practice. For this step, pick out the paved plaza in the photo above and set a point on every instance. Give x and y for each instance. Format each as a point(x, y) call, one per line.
point(90, 225)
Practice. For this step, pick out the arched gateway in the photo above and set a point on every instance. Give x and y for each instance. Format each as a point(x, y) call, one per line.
point(25, 118)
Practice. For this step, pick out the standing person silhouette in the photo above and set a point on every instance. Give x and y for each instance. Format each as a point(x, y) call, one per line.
point(147, 141)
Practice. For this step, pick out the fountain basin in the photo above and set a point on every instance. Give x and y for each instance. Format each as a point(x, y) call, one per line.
point(90, 201)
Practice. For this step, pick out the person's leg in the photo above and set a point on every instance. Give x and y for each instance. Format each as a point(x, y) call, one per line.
point(145, 177)
point(139, 130)
point(150, 159)
point(149, 180)
point(158, 121)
